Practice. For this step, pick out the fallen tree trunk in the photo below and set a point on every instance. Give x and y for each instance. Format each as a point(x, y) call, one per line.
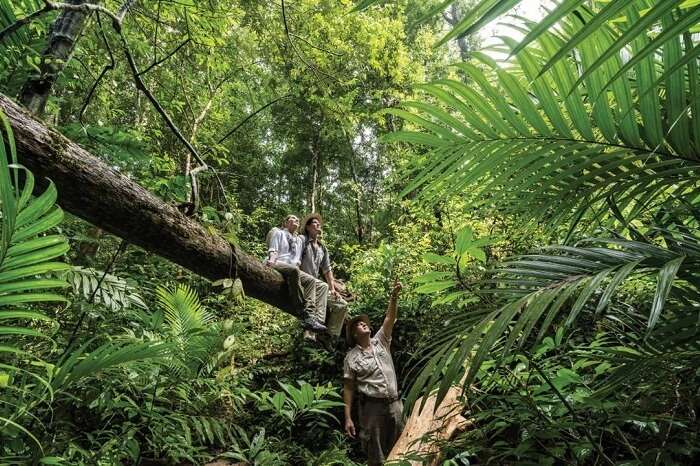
point(101, 195)
point(424, 433)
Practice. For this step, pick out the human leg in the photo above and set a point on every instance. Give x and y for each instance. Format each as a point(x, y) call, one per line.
point(314, 300)
point(292, 275)
point(392, 425)
point(321, 300)
point(371, 415)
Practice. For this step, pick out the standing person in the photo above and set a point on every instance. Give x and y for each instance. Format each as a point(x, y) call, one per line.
point(284, 254)
point(316, 262)
point(368, 370)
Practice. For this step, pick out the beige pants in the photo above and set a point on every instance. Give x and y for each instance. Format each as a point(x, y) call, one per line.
point(306, 293)
point(337, 310)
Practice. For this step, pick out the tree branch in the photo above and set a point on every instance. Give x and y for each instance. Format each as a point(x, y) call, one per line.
point(92, 190)
point(107, 67)
point(162, 60)
point(245, 120)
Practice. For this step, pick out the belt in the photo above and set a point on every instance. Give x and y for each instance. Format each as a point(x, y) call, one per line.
point(374, 399)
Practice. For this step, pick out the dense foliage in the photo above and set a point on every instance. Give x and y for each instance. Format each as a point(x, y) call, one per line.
point(537, 197)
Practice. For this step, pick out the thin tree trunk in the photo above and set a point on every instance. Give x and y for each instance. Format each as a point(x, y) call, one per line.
point(107, 198)
point(315, 156)
point(193, 136)
point(358, 193)
point(62, 38)
point(453, 19)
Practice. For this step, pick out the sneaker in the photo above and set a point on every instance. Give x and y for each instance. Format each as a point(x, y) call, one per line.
point(309, 323)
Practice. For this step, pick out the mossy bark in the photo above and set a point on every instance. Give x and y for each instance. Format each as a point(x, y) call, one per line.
point(101, 195)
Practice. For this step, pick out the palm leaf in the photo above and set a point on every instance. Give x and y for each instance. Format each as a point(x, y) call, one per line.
point(190, 328)
point(537, 288)
point(540, 148)
point(27, 251)
point(81, 364)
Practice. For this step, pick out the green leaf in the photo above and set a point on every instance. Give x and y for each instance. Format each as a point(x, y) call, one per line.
point(618, 278)
point(666, 276)
point(432, 258)
point(561, 10)
point(635, 29)
point(472, 22)
point(465, 237)
point(431, 277)
point(434, 287)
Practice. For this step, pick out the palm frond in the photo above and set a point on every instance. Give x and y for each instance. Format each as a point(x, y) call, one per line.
point(29, 254)
point(557, 285)
point(114, 292)
point(81, 363)
point(543, 145)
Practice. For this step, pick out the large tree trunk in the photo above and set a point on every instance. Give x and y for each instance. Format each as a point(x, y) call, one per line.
point(101, 195)
point(61, 43)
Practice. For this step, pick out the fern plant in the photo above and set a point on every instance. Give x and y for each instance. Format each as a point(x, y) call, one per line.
point(109, 290)
point(29, 266)
point(190, 328)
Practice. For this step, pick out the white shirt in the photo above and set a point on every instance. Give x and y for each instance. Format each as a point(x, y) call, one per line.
point(287, 246)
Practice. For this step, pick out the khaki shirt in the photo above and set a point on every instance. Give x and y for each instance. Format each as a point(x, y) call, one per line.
point(372, 370)
point(315, 260)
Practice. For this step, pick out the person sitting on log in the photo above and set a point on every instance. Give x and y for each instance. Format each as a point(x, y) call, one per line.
point(284, 254)
point(316, 261)
point(368, 370)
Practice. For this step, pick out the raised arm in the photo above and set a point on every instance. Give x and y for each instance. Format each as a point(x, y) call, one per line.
point(390, 318)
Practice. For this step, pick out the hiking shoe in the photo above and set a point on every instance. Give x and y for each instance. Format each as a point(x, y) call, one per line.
point(309, 323)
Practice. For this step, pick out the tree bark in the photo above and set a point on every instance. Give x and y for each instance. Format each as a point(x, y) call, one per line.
point(313, 149)
point(455, 16)
point(426, 430)
point(62, 38)
point(101, 195)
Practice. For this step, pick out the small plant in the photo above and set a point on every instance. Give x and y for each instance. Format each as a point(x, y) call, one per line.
point(304, 404)
point(254, 451)
point(450, 286)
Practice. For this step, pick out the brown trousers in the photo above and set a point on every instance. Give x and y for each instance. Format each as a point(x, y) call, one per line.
point(381, 424)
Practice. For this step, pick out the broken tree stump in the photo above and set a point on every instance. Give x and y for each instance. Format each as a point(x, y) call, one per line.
point(421, 438)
